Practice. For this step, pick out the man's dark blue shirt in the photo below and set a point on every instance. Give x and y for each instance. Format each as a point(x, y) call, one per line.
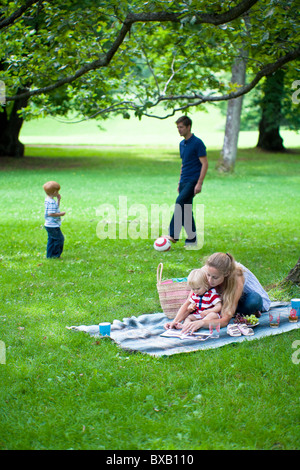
point(190, 152)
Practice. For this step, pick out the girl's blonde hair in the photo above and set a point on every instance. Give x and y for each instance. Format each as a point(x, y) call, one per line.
point(197, 278)
point(226, 265)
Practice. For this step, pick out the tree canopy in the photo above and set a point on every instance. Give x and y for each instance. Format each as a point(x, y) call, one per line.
point(97, 57)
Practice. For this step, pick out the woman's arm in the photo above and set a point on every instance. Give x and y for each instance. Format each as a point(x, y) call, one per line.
point(215, 309)
point(204, 323)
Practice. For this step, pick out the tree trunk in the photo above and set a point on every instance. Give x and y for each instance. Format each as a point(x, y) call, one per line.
point(294, 274)
point(269, 137)
point(233, 118)
point(10, 127)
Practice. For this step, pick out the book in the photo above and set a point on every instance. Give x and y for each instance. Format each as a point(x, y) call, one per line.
point(173, 333)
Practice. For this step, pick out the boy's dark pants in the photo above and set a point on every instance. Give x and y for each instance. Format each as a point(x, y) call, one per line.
point(55, 243)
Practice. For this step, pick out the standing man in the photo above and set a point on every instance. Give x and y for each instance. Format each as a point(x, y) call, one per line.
point(193, 170)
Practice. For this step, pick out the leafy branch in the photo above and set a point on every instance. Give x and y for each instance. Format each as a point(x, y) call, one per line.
point(17, 14)
point(131, 18)
point(198, 99)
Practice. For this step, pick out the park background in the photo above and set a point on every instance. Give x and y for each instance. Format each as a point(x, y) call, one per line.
point(208, 125)
point(65, 390)
point(61, 389)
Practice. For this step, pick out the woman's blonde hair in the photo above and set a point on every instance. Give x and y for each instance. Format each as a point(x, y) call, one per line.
point(226, 265)
point(197, 278)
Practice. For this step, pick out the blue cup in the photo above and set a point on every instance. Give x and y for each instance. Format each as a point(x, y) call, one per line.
point(295, 303)
point(104, 329)
point(295, 310)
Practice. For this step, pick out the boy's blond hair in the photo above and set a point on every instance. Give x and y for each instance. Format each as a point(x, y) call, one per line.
point(50, 187)
point(197, 278)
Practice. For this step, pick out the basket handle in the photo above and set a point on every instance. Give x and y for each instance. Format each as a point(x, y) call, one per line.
point(159, 272)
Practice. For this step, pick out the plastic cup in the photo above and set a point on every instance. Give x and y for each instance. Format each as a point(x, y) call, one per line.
point(214, 328)
point(274, 318)
point(104, 329)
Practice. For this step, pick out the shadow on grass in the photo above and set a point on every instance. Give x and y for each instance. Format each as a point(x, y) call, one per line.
point(31, 163)
point(68, 157)
point(60, 158)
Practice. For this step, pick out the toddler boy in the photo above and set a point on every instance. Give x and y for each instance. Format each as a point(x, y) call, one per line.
point(53, 216)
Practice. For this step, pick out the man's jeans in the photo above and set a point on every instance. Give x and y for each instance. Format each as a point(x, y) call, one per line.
point(55, 243)
point(183, 213)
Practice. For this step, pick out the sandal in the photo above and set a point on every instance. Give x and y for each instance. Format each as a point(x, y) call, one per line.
point(245, 330)
point(233, 330)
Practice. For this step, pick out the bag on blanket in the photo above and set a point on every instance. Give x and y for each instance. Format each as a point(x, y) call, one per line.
point(172, 293)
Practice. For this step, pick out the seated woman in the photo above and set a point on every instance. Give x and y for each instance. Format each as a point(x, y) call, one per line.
point(240, 290)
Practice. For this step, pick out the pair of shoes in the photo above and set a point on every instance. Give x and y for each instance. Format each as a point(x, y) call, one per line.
point(239, 329)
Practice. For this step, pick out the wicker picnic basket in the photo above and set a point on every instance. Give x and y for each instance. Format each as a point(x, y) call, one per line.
point(172, 293)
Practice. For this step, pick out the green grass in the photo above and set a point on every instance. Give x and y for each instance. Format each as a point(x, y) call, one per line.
point(209, 125)
point(65, 390)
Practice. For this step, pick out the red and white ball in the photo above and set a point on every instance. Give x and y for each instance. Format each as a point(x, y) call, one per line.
point(162, 244)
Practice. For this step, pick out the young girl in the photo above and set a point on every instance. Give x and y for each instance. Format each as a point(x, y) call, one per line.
point(202, 302)
point(240, 290)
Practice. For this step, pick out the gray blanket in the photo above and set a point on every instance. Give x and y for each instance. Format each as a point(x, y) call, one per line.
point(143, 333)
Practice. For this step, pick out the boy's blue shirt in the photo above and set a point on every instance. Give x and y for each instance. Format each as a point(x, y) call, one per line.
point(51, 207)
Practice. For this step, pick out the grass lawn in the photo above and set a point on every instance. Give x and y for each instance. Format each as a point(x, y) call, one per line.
point(62, 389)
point(208, 125)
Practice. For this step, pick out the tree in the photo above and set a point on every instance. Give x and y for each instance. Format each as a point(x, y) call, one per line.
point(294, 274)
point(10, 126)
point(273, 107)
point(91, 55)
point(233, 117)
point(269, 137)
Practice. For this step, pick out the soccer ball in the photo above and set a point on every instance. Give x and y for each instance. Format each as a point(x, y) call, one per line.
point(162, 244)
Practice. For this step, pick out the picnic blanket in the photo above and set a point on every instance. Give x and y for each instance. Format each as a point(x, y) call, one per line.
point(143, 333)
